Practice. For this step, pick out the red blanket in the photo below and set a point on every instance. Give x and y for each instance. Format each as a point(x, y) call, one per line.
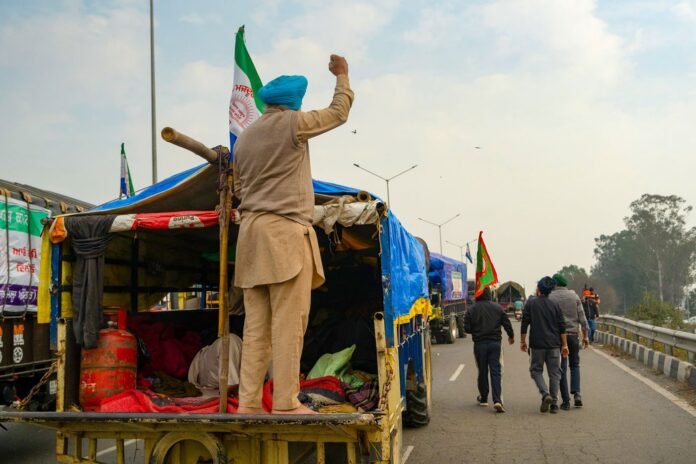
point(138, 401)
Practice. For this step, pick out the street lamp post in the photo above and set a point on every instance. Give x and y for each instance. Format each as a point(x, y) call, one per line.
point(439, 226)
point(385, 179)
point(461, 250)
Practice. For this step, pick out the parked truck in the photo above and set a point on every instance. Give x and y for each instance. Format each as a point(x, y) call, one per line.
point(448, 296)
point(169, 238)
point(27, 348)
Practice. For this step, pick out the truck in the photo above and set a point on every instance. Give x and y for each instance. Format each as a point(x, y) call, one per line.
point(178, 236)
point(448, 297)
point(507, 293)
point(27, 348)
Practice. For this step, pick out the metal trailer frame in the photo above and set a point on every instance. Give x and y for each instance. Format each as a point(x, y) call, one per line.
point(403, 360)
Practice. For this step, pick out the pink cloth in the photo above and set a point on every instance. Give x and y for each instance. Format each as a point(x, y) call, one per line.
point(137, 401)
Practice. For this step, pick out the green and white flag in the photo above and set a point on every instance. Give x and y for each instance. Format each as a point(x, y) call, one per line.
point(245, 105)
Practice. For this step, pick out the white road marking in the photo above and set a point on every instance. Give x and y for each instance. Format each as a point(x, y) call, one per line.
point(113, 448)
point(457, 372)
point(407, 453)
point(662, 391)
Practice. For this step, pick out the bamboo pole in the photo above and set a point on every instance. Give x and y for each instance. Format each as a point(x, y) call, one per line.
point(184, 141)
point(223, 305)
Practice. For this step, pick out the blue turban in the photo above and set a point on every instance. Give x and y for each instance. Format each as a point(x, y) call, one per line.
point(285, 91)
point(546, 285)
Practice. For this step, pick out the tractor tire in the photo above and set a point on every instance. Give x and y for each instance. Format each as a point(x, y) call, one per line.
point(450, 335)
point(417, 414)
point(460, 326)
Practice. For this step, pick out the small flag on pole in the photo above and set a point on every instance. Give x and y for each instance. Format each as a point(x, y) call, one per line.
point(245, 105)
point(468, 254)
point(485, 271)
point(126, 188)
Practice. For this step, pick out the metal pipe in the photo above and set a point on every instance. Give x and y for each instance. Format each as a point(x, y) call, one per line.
point(184, 141)
point(152, 93)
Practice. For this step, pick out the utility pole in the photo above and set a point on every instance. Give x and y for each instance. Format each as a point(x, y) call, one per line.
point(153, 116)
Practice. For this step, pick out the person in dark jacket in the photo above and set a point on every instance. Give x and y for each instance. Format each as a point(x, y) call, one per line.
point(547, 342)
point(483, 321)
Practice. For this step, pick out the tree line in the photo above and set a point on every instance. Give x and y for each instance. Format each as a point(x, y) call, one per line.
point(647, 269)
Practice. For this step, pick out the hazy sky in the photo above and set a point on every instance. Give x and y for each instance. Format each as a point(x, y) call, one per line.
point(579, 106)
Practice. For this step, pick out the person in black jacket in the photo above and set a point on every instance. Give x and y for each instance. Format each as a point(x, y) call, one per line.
point(547, 342)
point(483, 322)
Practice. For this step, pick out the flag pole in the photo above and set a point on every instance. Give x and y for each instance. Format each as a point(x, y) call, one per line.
point(152, 93)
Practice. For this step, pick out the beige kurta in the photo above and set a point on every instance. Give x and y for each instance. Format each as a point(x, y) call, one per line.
point(273, 181)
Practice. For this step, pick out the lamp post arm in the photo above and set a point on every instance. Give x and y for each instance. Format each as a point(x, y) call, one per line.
point(403, 172)
point(367, 170)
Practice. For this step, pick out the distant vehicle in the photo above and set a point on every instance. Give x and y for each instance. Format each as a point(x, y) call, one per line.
point(448, 296)
point(27, 348)
point(507, 293)
point(691, 320)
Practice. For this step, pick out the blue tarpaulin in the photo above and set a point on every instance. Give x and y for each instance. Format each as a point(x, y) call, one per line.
point(403, 257)
point(403, 267)
point(450, 274)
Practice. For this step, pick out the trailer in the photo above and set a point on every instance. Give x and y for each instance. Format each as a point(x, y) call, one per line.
point(178, 236)
point(27, 347)
point(507, 293)
point(448, 296)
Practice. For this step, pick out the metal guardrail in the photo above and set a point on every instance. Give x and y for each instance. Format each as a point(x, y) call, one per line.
point(670, 338)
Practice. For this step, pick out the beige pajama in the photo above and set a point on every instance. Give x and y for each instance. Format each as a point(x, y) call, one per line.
point(276, 320)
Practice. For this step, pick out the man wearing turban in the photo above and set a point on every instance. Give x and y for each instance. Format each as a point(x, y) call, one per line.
point(547, 342)
point(277, 262)
point(574, 316)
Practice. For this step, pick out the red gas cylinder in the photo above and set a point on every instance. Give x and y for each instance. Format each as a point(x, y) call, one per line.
point(108, 369)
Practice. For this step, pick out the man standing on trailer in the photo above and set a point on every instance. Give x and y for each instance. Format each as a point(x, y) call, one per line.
point(278, 262)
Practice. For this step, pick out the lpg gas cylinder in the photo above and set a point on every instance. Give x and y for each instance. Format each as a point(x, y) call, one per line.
point(108, 369)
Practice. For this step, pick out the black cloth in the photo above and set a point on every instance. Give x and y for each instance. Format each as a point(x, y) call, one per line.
point(90, 236)
point(590, 308)
point(487, 354)
point(546, 321)
point(572, 361)
point(484, 319)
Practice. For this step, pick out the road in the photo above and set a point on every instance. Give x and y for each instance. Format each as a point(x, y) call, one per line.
point(623, 420)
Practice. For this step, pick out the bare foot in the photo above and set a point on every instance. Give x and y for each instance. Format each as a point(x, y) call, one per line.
point(245, 410)
point(300, 410)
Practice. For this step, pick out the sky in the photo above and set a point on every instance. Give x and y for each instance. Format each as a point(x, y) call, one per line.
point(578, 106)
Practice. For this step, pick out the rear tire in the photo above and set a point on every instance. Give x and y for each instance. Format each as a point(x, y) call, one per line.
point(451, 333)
point(417, 414)
point(460, 326)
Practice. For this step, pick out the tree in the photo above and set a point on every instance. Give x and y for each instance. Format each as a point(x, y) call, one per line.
point(659, 226)
point(576, 276)
point(656, 312)
point(690, 302)
point(655, 253)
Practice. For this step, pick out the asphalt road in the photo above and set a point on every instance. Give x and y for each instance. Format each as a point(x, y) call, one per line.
point(623, 420)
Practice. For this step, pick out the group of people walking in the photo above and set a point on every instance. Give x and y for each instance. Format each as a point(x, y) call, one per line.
point(557, 321)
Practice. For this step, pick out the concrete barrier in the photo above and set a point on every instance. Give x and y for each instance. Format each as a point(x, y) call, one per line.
point(675, 368)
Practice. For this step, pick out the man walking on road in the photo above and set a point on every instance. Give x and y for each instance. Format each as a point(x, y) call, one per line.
point(278, 262)
point(547, 342)
point(574, 316)
point(483, 321)
point(590, 303)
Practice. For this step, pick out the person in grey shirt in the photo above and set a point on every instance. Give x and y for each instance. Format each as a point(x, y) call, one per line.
point(547, 342)
point(574, 317)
